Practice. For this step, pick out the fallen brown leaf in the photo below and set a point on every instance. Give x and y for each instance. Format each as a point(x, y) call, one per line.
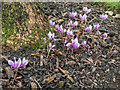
point(71, 63)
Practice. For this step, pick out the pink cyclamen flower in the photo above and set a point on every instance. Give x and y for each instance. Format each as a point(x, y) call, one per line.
point(51, 47)
point(96, 26)
point(51, 23)
point(24, 62)
point(51, 36)
point(44, 40)
point(69, 33)
point(104, 17)
point(86, 10)
point(98, 33)
point(63, 30)
point(74, 43)
point(73, 24)
point(15, 64)
point(88, 29)
point(58, 27)
point(73, 14)
point(83, 43)
point(83, 18)
point(65, 40)
point(105, 35)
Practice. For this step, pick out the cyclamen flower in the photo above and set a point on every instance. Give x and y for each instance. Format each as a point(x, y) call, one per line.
point(65, 40)
point(83, 43)
point(74, 43)
point(24, 62)
point(51, 47)
point(69, 33)
point(58, 27)
point(83, 18)
point(15, 64)
point(104, 17)
point(98, 33)
point(51, 36)
point(105, 35)
point(88, 29)
point(44, 40)
point(96, 26)
point(73, 14)
point(63, 30)
point(51, 23)
point(86, 10)
point(73, 24)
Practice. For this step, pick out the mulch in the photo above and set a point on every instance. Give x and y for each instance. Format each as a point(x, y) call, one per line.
point(60, 72)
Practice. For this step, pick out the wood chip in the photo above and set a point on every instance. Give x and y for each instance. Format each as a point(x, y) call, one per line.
point(71, 79)
point(57, 62)
point(19, 77)
point(19, 84)
point(93, 69)
point(41, 60)
point(33, 86)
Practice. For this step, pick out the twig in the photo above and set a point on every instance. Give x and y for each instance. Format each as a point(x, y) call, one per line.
point(37, 83)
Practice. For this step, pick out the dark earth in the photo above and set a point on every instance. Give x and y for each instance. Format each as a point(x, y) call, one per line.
point(54, 72)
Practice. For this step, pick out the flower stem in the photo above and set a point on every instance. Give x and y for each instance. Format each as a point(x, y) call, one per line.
point(15, 76)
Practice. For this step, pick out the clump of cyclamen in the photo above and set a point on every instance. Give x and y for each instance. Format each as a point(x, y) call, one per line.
point(74, 43)
point(17, 64)
point(69, 32)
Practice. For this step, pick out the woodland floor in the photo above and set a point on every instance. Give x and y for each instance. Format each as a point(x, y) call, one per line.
point(44, 73)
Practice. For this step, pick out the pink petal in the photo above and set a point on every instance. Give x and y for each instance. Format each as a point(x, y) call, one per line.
point(69, 44)
point(11, 63)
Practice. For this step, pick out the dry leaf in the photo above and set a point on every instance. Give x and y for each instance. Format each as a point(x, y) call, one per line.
point(93, 70)
point(114, 80)
point(117, 16)
point(112, 61)
point(60, 20)
point(107, 70)
point(109, 12)
point(71, 79)
point(71, 63)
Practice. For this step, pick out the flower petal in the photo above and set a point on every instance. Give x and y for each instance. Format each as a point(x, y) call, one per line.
point(11, 63)
point(69, 44)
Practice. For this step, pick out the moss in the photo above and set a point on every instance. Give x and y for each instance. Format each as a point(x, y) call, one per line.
point(15, 25)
